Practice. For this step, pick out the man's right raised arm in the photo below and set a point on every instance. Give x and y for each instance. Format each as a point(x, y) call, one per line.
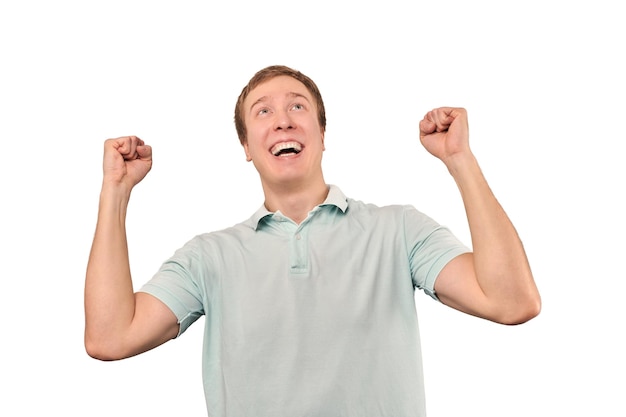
point(120, 323)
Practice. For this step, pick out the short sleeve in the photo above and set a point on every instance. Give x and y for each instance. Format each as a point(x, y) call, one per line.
point(177, 284)
point(430, 247)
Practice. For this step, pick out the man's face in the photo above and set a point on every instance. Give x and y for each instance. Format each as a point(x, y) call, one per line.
point(284, 139)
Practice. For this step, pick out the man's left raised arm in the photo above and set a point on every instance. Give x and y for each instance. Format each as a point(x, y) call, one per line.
point(495, 281)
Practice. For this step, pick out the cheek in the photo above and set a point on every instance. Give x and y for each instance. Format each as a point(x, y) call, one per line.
point(254, 148)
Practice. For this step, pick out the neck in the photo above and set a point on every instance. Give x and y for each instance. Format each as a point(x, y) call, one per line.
point(295, 200)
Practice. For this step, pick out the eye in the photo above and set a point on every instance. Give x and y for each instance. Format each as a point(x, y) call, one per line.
point(297, 106)
point(263, 111)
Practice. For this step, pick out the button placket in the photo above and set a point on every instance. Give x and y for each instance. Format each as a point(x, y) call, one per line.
point(299, 262)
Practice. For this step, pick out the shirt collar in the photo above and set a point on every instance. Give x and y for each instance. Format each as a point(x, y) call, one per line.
point(335, 198)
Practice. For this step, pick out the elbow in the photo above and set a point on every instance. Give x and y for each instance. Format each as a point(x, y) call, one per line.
point(96, 352)
point(522, 313)
point(100, 350)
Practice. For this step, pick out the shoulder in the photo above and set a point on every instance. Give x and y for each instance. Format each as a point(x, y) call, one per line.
point(395, 216)
point(212, 242)
point(361, 208)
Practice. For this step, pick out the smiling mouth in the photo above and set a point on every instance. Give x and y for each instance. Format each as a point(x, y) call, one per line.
point(286, 148)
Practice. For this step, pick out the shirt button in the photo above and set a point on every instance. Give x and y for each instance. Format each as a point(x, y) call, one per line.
point(298, 237)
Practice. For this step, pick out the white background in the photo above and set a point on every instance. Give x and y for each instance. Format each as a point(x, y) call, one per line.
point(543, 83)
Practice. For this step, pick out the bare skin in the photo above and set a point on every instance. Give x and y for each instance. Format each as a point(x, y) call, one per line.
point(282, 111)
point(494, 282)
point(118, 322)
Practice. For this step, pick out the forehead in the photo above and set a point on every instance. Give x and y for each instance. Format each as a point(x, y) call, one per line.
point(277, 87)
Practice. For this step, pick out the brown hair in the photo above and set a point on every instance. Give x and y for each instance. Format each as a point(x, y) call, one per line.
point(267, 74)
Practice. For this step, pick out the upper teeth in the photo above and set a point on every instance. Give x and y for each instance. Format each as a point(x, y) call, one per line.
point(286, 145)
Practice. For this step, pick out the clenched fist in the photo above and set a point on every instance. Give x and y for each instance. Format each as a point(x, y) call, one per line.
point(444, 132)
point(127, 160)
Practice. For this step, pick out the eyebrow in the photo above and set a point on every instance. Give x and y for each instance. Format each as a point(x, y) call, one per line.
point(290, 95)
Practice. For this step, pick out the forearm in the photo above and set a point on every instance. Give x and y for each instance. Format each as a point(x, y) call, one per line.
point(109, 295)
point(500, 261)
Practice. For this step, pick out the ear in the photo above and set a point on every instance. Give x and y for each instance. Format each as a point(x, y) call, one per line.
point(247, 151)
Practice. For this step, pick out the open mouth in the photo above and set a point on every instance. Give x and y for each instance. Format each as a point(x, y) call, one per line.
point(286, 148)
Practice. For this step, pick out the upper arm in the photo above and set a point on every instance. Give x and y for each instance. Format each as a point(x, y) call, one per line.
point(505, 297)
point(457, 286)
point(153, 324)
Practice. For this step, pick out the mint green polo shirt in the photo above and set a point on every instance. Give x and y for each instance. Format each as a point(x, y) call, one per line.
point(315, 319)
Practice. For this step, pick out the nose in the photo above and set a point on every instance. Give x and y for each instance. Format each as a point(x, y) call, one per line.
point(283, 121)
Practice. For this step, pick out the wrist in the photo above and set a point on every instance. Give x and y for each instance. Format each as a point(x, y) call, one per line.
point(114, 195)
point(461, 164)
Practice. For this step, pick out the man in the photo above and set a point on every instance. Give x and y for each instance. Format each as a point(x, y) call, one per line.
point(309, 304)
